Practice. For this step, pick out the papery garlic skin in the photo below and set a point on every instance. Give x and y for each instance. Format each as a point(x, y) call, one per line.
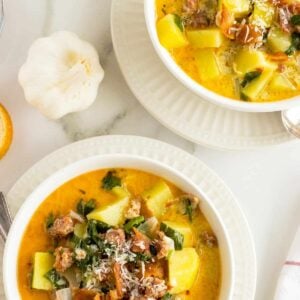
point(61, 75)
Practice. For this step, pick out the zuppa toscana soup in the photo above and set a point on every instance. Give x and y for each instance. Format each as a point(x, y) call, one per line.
point(119, 234)
point(242, 49)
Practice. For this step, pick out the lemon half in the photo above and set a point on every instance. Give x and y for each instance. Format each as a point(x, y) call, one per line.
point(6, 131)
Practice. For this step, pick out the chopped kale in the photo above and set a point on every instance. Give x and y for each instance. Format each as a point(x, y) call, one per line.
point(142, 257)
point(94, 248)
point(83, 263)
point(50, 220)
point(188, 209)
point(110, 181)
point(296, 40)
point(167, 296)
point(58, 281)
point(93, 240)
point(175, 235)
point(178, 22)
point(92, 228)
point(250, 76)
point(76, 241)
point(295, 44)
point(102, 246)
point(85, 207)
point(95, 227)
point(290, 51)
point(295, 20)
point(135, 222)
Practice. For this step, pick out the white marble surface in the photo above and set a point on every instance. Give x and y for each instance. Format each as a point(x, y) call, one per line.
point(265, 181)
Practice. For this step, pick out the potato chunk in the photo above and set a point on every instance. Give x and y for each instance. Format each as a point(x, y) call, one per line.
point(42, 264)
point(255, 87)
point(279, 41)
point(263, 13)
point(112, 213)
point(281, 83)
point(183, 269)
point(205, 38)
point(207, 64)
point(156, 198)
point(240, 8)
point(248, 60)
point(170, 33)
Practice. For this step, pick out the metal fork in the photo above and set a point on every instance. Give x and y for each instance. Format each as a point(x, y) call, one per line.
point(5, 217)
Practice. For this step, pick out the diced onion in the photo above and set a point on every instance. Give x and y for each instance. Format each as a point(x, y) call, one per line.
point(76, 216)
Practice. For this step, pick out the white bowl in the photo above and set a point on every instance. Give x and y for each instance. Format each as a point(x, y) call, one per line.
point(151, 17)
point(30, 205)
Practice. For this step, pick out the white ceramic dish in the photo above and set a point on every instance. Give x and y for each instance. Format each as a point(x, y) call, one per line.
point(244, 259)
point(150, 16)
point(175, 106)
point(112, 161)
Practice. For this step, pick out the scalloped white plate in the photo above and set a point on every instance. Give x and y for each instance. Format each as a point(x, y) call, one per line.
point(173, 104)
point(220, 196)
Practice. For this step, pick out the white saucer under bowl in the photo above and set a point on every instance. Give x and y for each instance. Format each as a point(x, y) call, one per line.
point(244, 261)
point(173, 104)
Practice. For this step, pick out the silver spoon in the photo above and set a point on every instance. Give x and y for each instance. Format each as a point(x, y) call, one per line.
point(291, 120)
point(5, 217)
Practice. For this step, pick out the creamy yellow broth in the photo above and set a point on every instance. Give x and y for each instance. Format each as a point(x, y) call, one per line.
point(224, 85)
point(87, 186)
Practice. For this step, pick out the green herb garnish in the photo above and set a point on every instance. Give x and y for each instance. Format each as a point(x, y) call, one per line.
point(50, 220)
point(94, 248)
point(85, 207)
point(176, 236)
point(295, 20)
point(95, 227)
point(167, 296)
point(188, 208)
point(135, 222)
point(110, 181)
point(58, 281)
point(76, 241)
point(178, 22)
point(290, 51)
point(142, 257)
point(250, 76)
point(295, 44)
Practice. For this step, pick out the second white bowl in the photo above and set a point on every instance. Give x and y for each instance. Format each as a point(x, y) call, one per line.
point(151, 18)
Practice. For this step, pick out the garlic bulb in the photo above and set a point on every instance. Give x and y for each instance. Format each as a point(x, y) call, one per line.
point(61, 75)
